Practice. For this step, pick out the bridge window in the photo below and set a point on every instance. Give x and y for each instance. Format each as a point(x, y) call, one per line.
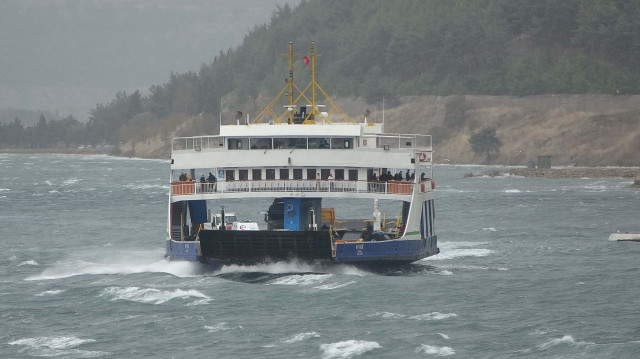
point(342, 143)
point(284, 173)
point(318, 143)
point(261, 143)
point(256, 174)
point(339, 173)
point(243, 175)
point(230, 175)
point(238, 143)
point(353, 175)
point(297, 173)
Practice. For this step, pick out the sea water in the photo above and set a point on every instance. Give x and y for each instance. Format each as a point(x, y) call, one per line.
point(525, 271)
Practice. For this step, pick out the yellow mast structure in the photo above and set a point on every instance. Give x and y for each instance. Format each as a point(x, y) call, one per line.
point(312, 115)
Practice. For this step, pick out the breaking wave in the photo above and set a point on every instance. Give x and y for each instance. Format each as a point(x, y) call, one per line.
point(348, 349)
point(61, 346)
point(433, 350)
point(149, 295)
point(77, 268)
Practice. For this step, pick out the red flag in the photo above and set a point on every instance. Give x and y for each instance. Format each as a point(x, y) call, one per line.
point(306, 60)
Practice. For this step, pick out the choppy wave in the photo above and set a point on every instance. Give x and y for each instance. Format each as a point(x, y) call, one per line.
point(433, 350)
point(434, 316)
point(149, 295)
point(71, 181)
point(459, 253)
point(427, 316)
point(50, 292)
point(28, 263)
point(565, 340)
point(61, 346)
point(348, 349)
point(75, 268)
point(216, 328)
point(294, 266)
point(300, 337)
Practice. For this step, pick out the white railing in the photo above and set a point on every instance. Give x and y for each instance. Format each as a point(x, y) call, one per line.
point(389, 187)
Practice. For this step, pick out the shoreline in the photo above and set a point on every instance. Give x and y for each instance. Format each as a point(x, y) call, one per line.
point(571, 172)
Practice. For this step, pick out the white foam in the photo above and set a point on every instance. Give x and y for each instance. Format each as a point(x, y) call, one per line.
point(293, 266)
point(433, 350)
point(444, 272)
point(490, 229)
point(52, 342)
point(333, 285)
point(434, 316)
point(4, 190)
point(47, 182)
point(28, 263)
point(300, 337)
point(301, 279)
point(71, 181)
point(76, 268)
point(147, 186)
point(348, 348)
point(565, 340)
point(387, 315)
point(443, 336)
point(459, 253)
point(149, 295)
point(49, 292)
point(62, 346)
point(216, 328)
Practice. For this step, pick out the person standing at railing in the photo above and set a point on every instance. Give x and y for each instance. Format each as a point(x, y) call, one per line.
point(330, 179)
point(212, 182)
point(203, 184)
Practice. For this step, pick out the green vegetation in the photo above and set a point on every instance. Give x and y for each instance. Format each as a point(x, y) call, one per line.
point(376, 49)
point(485, 142)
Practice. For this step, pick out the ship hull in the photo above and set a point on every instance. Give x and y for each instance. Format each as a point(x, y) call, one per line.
point(220, 248)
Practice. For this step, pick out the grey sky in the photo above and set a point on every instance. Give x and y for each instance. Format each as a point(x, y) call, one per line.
point(69, 55)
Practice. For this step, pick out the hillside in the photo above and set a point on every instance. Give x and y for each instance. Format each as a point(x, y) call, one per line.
point(580, 130)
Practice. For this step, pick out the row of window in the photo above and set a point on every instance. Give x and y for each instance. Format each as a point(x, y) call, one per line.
point(287, 143)
point(295, 173)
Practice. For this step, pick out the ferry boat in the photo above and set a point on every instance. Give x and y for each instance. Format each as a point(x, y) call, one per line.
point(295, 153)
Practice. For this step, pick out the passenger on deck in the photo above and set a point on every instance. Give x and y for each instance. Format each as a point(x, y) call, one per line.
point(183, 177)
point(203, 184)
point(398, 176)
point(367, 232)
point(211, 178)
point(407, 176)
point(423, 177)
point(188, 177)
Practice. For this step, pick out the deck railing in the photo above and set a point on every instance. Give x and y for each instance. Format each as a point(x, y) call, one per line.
point(389, 187)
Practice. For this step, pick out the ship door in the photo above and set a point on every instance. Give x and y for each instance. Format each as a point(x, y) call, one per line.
point(197, 143)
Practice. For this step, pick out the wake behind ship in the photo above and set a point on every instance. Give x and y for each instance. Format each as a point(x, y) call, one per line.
point(297, 153)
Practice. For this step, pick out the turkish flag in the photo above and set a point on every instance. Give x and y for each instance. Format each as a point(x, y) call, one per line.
point(306, 60)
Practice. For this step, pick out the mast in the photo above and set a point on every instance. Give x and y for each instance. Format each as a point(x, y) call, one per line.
point(313, 78)
point(291, 106)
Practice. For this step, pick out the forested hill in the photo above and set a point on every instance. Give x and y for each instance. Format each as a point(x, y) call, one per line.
point(377, 49)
